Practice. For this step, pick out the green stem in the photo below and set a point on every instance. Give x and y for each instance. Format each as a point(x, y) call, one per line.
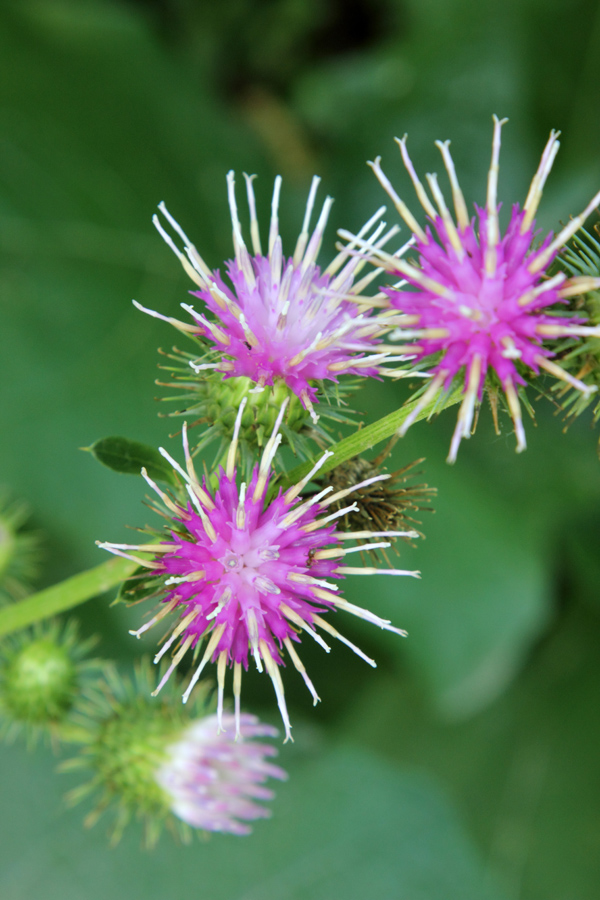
point(367, 437)
point(65, 595)
point(82, 587)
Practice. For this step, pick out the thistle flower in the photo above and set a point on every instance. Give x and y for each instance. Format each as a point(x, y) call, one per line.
point(247, 574)
point(283, 319)
point(479, 302)
point(151, 762)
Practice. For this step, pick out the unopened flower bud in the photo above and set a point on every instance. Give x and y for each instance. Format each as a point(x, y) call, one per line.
point(41, 673)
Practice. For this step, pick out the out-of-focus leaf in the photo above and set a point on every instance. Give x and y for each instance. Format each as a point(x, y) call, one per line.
point(347, 825)
point(485, 592)
point(526, 769)
point(129, 457)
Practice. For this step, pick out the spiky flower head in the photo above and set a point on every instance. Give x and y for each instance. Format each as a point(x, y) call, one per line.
point(42, 672)
point(246, 574)
point(478, 304)
point(150, 761)
point(282, 319)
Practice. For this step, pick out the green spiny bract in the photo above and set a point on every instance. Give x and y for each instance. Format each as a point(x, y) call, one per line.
point(42, 671)
point(582, 358)
point(211, 403)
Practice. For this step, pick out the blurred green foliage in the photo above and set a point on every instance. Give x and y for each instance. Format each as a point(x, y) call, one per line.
point(466, 766)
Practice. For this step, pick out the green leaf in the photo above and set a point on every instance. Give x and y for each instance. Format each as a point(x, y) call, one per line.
point(123, 455)
point(524, 770)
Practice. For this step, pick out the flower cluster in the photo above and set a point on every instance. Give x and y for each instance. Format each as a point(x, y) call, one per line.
point(281, 319)
point(252, 557)
point(476, 301)
point(245, 574)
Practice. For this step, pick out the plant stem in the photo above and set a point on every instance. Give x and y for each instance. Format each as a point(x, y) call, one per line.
point(367, 437)
point(65, 595)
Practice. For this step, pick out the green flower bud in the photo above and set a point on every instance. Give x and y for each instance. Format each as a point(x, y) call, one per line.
point(42, 671)
point(212, 402)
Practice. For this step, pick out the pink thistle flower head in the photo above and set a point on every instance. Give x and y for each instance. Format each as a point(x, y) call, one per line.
point(246, 575)
point(283, 319)
point(213, 781)
point(151, 761)
point(478, 300)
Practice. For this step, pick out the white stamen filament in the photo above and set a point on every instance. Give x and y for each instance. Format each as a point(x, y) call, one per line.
point(324, 624)
point(210, 648)
point(181, 326)
point(428, 395)
point(460, 207)
point(221, 664)
point(183, 624)
point(174, 663)
point(300, 668)
point(449, 225)
point(424, 200)
point(147, 564)
point(208, 525)
point(237, 690)
point(318, 523)
point(275, 676)
point(339, 495)
point(368, 616)
point(254, 232)
point(167, 608)
point(398, 203)
point(514, 407)
point(560, 373)
point(356, 535)
point(493, 231)
point(274, 226)
point(536, 188)
point(563, 236)
point(371, 570)
point(230, 466)
point(291, 494)
point(303, 237)
point(301, 623)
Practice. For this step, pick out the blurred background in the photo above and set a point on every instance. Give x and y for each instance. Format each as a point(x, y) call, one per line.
point(466, 765)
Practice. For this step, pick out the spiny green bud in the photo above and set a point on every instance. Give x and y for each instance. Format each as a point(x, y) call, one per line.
point(19, 550)
point(151, 761)
point(212, 402)
point(41, 673)
point(581, 358)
